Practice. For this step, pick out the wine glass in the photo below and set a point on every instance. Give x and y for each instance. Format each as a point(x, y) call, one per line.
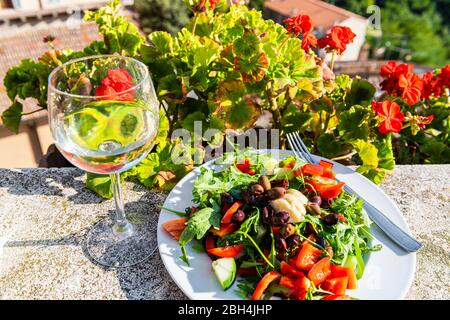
point(104, 118)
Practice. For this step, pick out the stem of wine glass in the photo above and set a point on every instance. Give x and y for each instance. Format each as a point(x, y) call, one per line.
point(122, 227)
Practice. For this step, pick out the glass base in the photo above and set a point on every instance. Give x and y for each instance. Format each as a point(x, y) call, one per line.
point(119, 246)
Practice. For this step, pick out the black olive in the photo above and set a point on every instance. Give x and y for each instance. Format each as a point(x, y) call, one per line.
point(293, 241)
point(287, 230)
point(313, 208)
point(321, 242)
point(227, 198)
point(256, 189)
point(279, 218)
point(265, 182)
point(331, 219)
point(266, 215)
point(280, 244)
point(326, 203)
point(259, 200)
point(276, 193)
point(316, 199)
point(282, 183)
point(238, 216)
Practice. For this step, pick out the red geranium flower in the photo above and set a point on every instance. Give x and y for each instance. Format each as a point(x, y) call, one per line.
point(444, 76)
point(392, 117)
point(410, 86)
point(401, 81)
point(114, 85)
point(213, 3)
point(431, 85)
point(337, 39)
point(391, 69)
point(309, 40)
point(298, 25)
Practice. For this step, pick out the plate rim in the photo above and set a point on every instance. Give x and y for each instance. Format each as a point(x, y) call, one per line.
point(195, 171)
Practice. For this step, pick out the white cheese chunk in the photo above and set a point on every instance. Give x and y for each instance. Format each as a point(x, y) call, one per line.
point(293, 202)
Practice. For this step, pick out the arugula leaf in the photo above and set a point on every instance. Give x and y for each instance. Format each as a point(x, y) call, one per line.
point(197, 225)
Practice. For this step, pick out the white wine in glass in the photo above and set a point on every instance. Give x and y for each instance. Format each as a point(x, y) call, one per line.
point(104, 117)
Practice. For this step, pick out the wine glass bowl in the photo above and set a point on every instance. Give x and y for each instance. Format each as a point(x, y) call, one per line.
point(104, 118)
point(95, 126)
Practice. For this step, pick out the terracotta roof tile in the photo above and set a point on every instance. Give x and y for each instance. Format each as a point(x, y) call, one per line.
point(29, 44)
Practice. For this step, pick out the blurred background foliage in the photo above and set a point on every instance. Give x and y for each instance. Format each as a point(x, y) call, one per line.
point(167, 15)
point(412, 30)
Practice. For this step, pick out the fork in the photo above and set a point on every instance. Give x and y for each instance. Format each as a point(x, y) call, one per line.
point(400, 237)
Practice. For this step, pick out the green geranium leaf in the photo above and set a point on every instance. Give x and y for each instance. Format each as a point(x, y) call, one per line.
point(367, 152)
point(205, 54)
point(353, 124)
point(342, 81)
point(163, 44)
point(376, 175)
point(294, 120)
point(11, 117)
point(235, 105)
point(189, 121)
point(163, 130)
point(172, 88)
point(100, 184)
point(322, 104)
point(361, 93)
point(119, 34)
point(329, 146)
point(147, 169)
point(437, 152)
point(246, 46)
point(385, 154)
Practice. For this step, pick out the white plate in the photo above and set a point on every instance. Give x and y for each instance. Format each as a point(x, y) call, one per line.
point(388, 274)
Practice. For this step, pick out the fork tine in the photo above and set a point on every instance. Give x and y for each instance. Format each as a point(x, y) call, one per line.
point(304, 149)
point(293, 147)
point(297, 147)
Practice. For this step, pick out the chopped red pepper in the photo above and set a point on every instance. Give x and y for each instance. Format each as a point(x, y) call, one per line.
point(340, 271)
point(301, 289)
point(225, 228)
point(290, 271)
point(287, 282)
point(251, 172)
point(327, 188)
point(307, 257)
point(341, 217)
point(175, 227)
point(335, 285)
point(326, 164)
point(310, 169)
point(327, 169)
point(229, 213)
point(320, 271)
point(245, 166)
point(231, 251)
point(264, 283)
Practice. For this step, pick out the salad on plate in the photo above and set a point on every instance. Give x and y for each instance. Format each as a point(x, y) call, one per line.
point(283, 229)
